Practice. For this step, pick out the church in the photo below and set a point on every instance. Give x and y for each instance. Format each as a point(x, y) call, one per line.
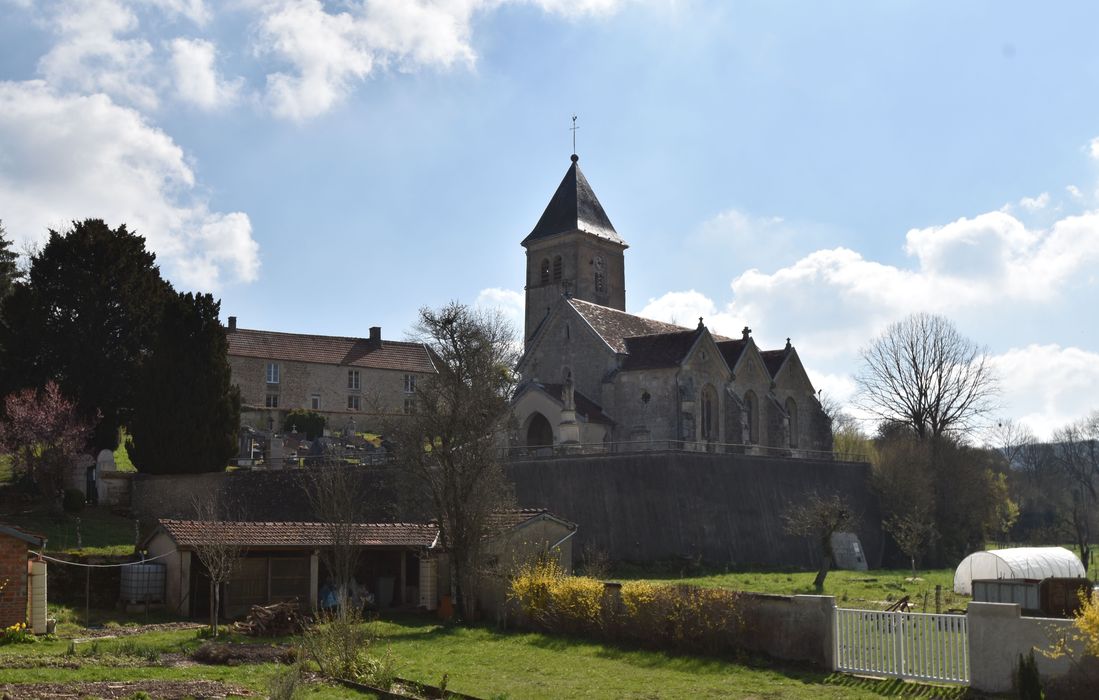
point(595, 378)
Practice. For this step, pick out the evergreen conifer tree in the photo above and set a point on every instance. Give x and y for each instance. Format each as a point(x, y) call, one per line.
point(186, 410)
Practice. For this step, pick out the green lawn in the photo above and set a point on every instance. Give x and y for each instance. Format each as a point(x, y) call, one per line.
point(101, 531)
point(488, 663)
point(480, 661)
point(852, 589)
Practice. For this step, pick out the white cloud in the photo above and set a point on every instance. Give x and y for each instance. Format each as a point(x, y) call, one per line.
point(68, 157)
point(1093, 148)
point(1035, 203)
point(329, 52)
point(90, 57)
point(1047, 387)
point(508, 302)
point(196, 78)
point(1074, 192)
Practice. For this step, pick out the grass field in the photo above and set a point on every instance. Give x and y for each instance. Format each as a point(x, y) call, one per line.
point(852, 589)
point(477, 660)
point(101, 532)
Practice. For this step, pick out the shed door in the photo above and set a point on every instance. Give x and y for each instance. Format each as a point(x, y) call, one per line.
point(429, 577)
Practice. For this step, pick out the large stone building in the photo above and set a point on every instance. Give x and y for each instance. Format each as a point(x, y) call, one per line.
point(359, 381)
point(594, 375)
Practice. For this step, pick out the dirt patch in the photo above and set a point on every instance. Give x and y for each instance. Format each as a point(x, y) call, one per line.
point(231, 654)
point(127, 630)
point(162, 690)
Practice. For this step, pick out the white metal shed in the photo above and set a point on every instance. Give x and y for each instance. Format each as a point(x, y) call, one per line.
point(1034, 563)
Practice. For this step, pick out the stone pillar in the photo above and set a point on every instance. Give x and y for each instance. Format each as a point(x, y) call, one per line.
point(816, 614)
point(185, 604)
point(314, 576)
point(38, 596)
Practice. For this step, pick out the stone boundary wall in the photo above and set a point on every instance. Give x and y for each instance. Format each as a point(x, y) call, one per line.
point(679, 507)
point(998, 634)
point(720, 509)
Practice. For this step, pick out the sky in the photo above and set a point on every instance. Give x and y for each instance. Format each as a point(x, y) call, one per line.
point(812, 170)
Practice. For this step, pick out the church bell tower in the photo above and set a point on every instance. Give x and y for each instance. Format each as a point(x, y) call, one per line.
point(573, 250)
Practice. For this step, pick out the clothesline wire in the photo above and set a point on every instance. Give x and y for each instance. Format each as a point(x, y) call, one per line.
point(100, 566)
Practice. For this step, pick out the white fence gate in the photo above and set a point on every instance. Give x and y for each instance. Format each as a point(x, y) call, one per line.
point(917, 646)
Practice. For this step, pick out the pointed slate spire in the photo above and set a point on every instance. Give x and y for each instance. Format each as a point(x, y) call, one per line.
point(574, 207)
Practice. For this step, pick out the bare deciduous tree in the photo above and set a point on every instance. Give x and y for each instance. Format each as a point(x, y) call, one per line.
point(216, 549)
point(1076, 452)
point(336, 495)
point(923, 373)
point(448, 446)
point(818, 518)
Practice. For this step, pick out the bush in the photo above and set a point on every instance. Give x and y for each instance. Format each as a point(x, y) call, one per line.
point(1028, 686)
point(309, 422)
point(682, 618)
point(73, 501)
point(16, 634)
point(340, 648)
point(555, 602)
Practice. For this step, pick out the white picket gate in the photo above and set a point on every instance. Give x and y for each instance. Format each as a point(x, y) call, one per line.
point(916, 646)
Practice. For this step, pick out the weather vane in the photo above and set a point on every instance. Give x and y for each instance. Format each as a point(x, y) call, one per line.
point(573, 130)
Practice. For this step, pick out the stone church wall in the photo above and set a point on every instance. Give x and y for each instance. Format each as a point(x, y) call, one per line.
point(723, 509)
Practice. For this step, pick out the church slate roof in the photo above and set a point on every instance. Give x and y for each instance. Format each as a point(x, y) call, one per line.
point(615, 326)
point(773, 359)
point(333, 350)
point(574, 207)
point(731, 350)
point(661, 350)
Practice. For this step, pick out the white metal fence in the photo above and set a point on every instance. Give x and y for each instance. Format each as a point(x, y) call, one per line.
point(917, 646)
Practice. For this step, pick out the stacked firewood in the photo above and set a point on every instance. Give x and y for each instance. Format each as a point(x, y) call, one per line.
point(275, 620)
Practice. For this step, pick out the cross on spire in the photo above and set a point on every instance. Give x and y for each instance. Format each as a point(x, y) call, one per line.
point(573, 129)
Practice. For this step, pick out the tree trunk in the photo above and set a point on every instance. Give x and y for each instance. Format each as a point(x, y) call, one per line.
point(215, 607)
point(825, 563)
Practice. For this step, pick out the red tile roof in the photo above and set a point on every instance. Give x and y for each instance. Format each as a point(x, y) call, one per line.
point(189, 533)
point(510, 519)
point(329, 349)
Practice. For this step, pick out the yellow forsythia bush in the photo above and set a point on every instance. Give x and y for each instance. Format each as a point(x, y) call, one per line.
point(556, 602)
point(687, 618)
point(676, 618)
point(1087, 623)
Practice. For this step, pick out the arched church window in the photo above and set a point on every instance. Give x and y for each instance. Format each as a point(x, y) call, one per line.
point(544, 271)
point(751, 407)
point(557, 269)
point(709, 413)
point(600, 276)
point(792, 416)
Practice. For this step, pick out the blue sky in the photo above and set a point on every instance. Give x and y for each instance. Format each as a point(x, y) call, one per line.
point(814, 170)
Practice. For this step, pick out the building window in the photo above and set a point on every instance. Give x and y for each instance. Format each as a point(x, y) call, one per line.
point(410, 406)
point(557, 269)
point(792, 417)
point(272, 401)
point(751, 407)
point(709, 413)
point(600, 282)
point(315, 402)
point(353, 403)
point(410, 384)
point(353, 379)
point(272, 372)
point(544, 271)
